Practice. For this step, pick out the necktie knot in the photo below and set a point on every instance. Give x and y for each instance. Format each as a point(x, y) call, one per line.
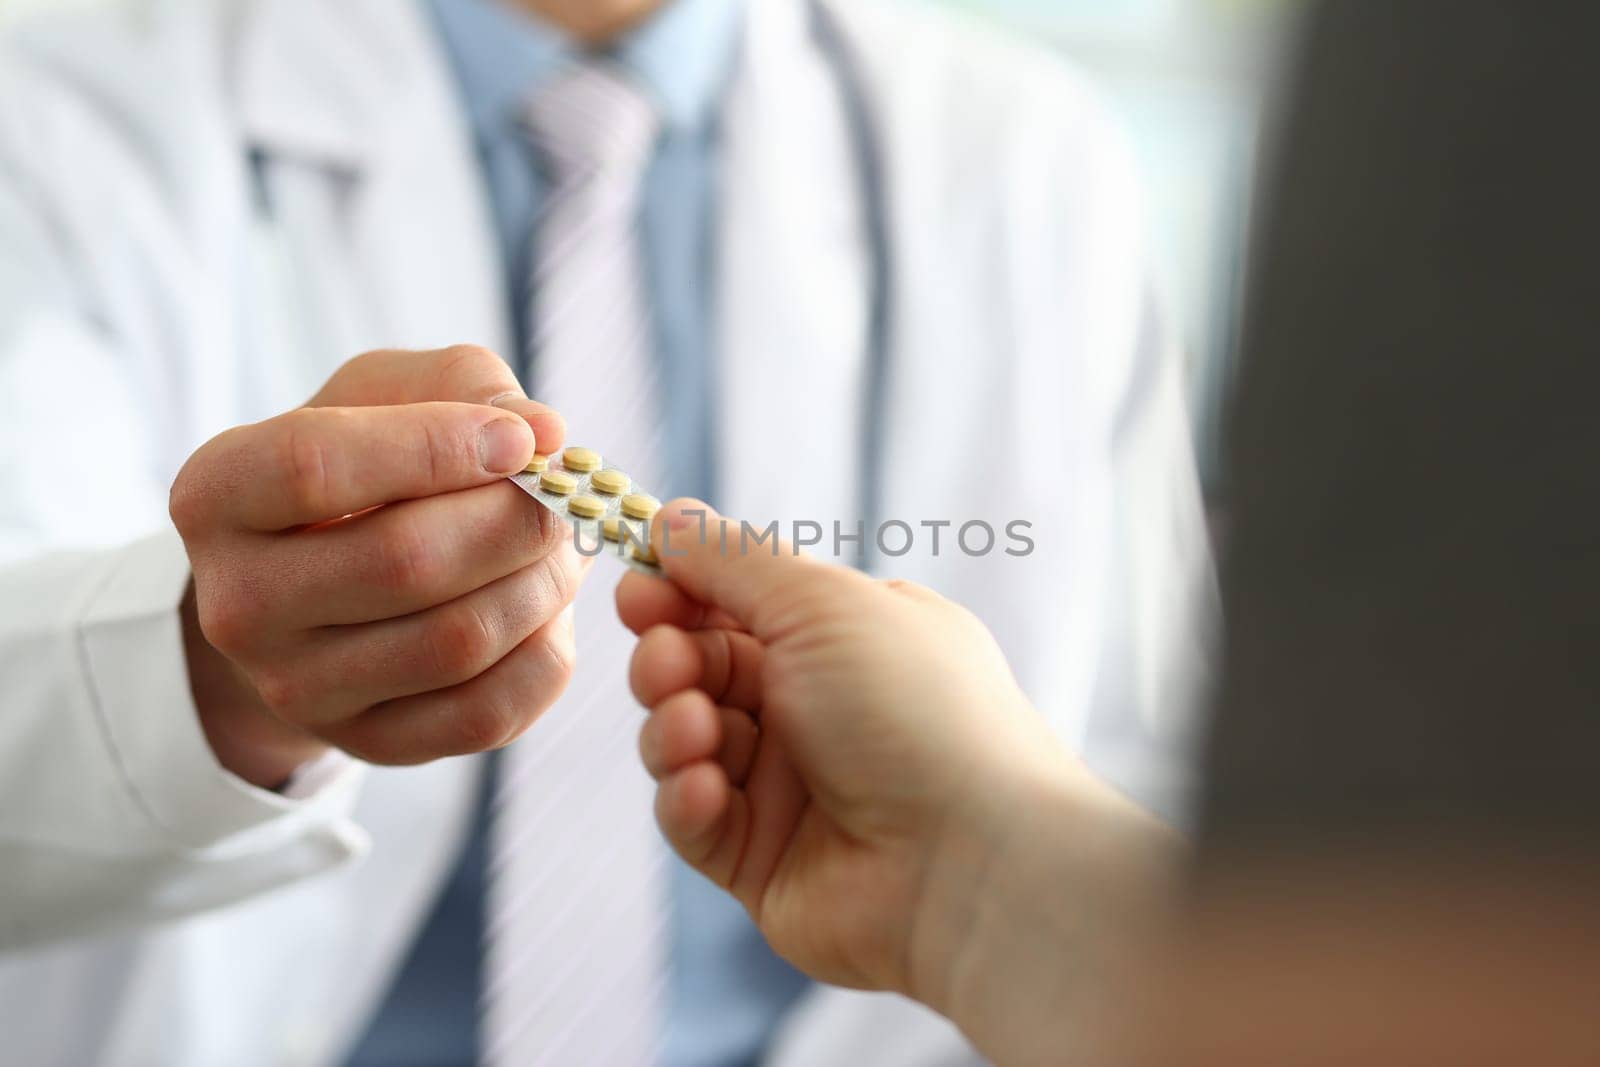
point(594, 125)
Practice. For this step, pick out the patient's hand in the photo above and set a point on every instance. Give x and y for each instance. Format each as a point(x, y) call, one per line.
point(851, 759)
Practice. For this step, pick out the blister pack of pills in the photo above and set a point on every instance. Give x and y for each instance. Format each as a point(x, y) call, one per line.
point(609, 514)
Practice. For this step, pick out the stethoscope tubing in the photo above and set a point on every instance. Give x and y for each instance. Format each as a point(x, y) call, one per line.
point(835, 47)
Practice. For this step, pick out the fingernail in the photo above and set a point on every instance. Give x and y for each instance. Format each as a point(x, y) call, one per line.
point(505, 446)
point(511, 402)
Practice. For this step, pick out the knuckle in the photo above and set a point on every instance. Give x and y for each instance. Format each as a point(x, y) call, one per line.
point(229, 617)
point(306, 464)
point(560, 653)
point(358, 364)
point(445, 453)
point(467, 357)
point(547, 663)
point(487, 724)
point(192, 501)
point(542, 530)
point(280, 690)
point(467, 371)
point(561, 579)
point(225, 627)
point(516, 531)
point(405, 560)
point(188, 504)
point(461, 644)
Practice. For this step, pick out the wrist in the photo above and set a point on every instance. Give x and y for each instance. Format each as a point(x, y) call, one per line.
point(1038, 907)
point(247, 740)
point(973, 858)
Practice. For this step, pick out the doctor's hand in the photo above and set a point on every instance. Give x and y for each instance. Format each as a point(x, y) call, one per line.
point(366, 578)
point(854, 762)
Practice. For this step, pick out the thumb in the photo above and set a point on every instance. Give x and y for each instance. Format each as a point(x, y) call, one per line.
point(745, 571)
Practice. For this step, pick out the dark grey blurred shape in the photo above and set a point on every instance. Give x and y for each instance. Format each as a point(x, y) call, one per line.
point(1413, 581)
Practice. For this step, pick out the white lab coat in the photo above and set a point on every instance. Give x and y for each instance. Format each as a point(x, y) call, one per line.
point(155, 910)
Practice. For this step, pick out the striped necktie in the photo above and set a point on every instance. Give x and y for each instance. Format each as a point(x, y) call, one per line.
point(575, 959)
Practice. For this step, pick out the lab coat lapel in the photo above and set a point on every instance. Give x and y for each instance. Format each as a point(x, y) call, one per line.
point(794, 283)
point(376, 234)
point(370, 168)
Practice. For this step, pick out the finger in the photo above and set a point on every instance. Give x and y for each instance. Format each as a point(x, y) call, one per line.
point(684, 728)
point(741, 740)
point(405, 558)
point(549, 428)
point(687, 727)
point(725, 664)
point(704, 819)
point(644, 601)
point(712, 561)
point(318, 464)
point(487, 713)
point(777, 802)
point(467, 374)
point(344, 670)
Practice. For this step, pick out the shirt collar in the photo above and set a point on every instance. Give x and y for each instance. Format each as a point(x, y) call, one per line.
point(684, 55)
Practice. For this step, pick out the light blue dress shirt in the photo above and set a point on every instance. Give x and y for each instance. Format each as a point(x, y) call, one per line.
point(728, 990)
point(683, 57)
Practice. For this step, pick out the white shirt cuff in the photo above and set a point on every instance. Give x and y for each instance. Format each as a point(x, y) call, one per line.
point(316, 777)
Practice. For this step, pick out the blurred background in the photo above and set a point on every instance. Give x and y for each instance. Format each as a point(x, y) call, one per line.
point(1188, 78)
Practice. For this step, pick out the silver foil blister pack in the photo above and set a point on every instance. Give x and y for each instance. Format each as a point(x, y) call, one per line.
point(632, 541)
